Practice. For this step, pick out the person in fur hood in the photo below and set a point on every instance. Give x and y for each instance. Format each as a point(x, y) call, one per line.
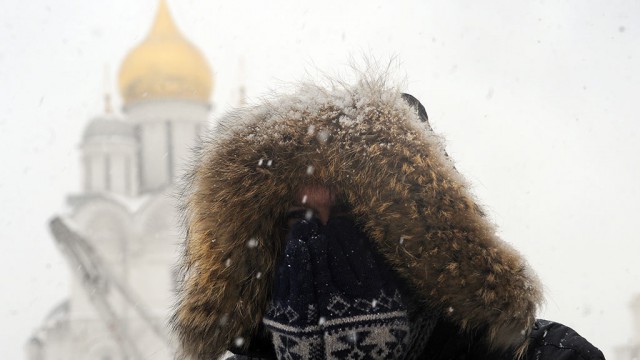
point(331, 224)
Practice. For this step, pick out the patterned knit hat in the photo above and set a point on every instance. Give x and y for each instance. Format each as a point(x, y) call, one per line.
point(335, 299)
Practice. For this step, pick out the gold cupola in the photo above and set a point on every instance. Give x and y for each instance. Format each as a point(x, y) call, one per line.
point(165, 66)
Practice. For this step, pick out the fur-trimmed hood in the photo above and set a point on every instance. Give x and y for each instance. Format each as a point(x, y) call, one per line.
point(371, 145)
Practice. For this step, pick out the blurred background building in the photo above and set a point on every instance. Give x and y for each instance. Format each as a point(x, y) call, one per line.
point(631, 351)
point(119, 234)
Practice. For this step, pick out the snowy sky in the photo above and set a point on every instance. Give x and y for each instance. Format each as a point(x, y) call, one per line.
point(537, 101)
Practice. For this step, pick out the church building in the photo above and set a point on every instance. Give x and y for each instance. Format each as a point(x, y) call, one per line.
point(122, 235)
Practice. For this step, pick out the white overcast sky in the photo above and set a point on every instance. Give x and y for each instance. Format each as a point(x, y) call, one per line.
point(538, 101)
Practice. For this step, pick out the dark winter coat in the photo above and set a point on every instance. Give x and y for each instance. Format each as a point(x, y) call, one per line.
point(368, 142)
point(547, 341)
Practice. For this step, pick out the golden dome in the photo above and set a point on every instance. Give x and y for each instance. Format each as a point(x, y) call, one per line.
point(165, 65)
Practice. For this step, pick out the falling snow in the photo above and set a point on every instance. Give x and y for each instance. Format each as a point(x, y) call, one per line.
point(239, 341)
point(353, 337)
point(323, 136)
point(308, 214)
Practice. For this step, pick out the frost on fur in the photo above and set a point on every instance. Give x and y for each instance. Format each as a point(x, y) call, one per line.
point(368, 143)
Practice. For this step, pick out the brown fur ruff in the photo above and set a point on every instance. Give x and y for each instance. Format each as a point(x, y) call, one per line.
point(369, 144)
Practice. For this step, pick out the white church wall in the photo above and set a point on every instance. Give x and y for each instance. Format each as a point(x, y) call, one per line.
point(166, 130)
point(154, 152)
point(118, 182)
point(59, 344)
point(635, 311)
point(110, 163)
point(184, 110)
point(133, 173)
point(105, 225)
point(96, 173)
point(104, 350)
point(152, 283)
point(185, 135)
point(156, 246)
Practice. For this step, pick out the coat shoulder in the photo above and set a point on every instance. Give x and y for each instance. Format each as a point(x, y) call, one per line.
point(552, 340)
point(547, 341)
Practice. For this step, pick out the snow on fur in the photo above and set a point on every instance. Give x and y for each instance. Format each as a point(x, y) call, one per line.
point(369, 144)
